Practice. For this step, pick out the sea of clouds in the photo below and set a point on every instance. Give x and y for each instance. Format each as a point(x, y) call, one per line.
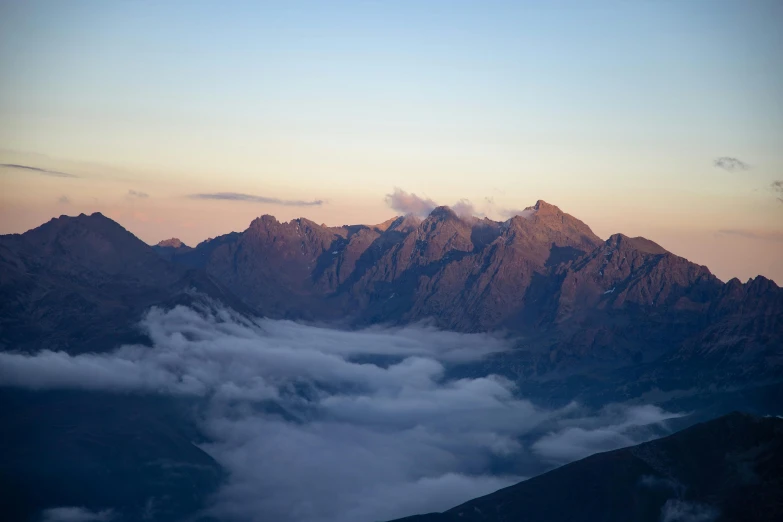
point(321, 425)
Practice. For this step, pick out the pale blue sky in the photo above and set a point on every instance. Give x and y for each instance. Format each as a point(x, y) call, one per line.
point(613, 110)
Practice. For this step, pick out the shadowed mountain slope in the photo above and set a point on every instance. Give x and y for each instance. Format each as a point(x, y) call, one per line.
point(727, 469)
point(134, 454)
point(81, 284)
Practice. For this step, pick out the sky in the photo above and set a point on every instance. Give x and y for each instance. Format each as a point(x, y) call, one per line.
point(661, 119)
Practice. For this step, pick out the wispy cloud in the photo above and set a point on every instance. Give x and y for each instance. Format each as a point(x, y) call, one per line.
point(64, 200)
point(76, 514)
point(37, 170)
point(508, 213)
point(504, 213)
point(410, 203)
point(773, 235)
point(137, 194)
point(614, 427)
point(465, 208)
point(676, 510)
point(730, 164)
point(250, 198)
point(777, 187)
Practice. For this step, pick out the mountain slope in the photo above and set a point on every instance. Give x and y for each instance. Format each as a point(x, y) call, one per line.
point(132, 453)
point(470, 275)
point(727, 469)
point(81, 284)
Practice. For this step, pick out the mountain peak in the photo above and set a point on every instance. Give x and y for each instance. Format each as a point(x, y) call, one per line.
point(545, 216)
point(442, 213)
point(263, 221)
point(95, 222)
point(173, 242)
point(761, 284)
point(404, 223)
point(641, 244)
point(388, 223)
point(543, 206)
point(540, 208)
point(303, 221)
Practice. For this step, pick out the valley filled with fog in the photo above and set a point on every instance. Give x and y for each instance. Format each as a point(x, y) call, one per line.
point(318, 424)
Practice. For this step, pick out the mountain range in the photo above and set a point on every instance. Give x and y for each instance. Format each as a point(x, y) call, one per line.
point(573, 300)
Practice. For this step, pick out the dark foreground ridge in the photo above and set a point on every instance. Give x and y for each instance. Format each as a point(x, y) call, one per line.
point(728, 469)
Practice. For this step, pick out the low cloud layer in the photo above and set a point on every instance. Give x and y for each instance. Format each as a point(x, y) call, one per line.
point(321, 425)
point(681, 511)
point(614, 427)
point(730, 164)
point(37, 170)
point(235, 196)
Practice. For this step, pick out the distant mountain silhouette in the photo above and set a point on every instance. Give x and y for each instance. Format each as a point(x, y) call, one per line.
point(728, 469)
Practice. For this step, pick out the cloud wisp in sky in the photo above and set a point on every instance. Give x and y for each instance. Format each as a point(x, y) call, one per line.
point(320, 425)
point(137, 194)
point(776, 236)
point(76, 514)
point(508, 213)
point(235, 196)
point(410, 203)
point(777, 187)
point(465, 209)
point(44, 172)
point(503, 212)
point(730, 164)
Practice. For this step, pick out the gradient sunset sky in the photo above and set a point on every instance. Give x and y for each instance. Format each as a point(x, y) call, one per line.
point(655, 118)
